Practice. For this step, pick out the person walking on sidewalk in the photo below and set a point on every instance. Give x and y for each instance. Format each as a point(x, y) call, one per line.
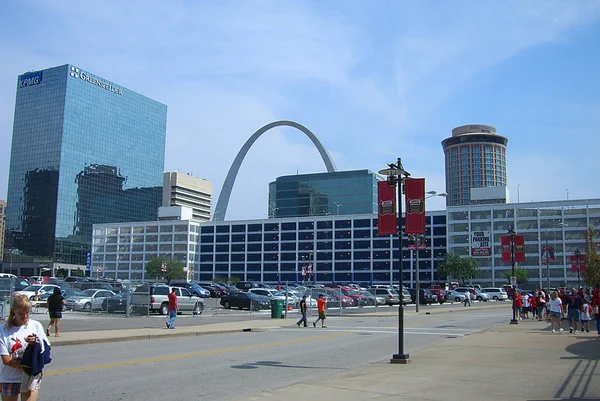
point(555, 308)
point(517, 304)
point(574, 305)
point(596, 309)
point(540, 302)
point(467, 298)
point(55, 305)
point(172, 308)
point(321, 302)
point(586, 316)
point(302, 308)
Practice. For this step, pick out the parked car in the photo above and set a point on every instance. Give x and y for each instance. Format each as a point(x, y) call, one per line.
point(246, 285)
point(76, 279)
point(391, 296)
point(159, 301)
point(358, 298)
point(426, 297)
point(192, 287)
point(497, 294)
point(214, 291)
point(41, 289)
point(271, 294)
point(88, 300)
point(245, 300)
point(475, 294)
point(456, 296)
point(373, 300)
point(116, 303)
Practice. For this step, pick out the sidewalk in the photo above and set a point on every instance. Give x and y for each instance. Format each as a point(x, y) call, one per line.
point(509, 362)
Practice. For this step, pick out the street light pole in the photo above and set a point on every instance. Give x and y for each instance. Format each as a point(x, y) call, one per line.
point(396, 175)
point(511, 236)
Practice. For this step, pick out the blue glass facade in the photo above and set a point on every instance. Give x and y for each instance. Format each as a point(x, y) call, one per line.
point(84, 151)
point(320, 194)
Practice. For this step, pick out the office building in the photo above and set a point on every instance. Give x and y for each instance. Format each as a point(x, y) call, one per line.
point(475, 158)
point(85, 150)
point(322, 194)
point(189, 191)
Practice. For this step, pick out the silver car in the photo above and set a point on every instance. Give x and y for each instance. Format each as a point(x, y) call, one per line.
point(88, 300)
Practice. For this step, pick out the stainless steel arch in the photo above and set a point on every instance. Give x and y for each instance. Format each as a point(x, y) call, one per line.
point(225, 194)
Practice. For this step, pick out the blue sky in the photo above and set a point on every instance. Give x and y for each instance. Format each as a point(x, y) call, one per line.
point(374, 80)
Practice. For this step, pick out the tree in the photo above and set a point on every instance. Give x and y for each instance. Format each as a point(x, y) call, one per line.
point(520, 274)
point(174, 269)
point(591, 274)
point(458, 267)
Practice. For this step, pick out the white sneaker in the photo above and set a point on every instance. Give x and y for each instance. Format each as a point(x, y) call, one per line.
point(575, 332)
point(554, 331)
point(561, 330)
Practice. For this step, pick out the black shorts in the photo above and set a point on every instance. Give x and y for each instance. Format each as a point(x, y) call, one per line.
point(55, 314)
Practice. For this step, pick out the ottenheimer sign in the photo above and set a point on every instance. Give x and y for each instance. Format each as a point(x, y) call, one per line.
point(481, 244)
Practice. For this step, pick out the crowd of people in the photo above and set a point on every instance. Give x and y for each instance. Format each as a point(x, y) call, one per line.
point(578, 307)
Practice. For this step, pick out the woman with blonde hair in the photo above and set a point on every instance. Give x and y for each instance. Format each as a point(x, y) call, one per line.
point(15, 335)
point(555, 307)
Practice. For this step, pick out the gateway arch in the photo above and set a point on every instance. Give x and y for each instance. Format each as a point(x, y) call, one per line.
point(221, 208)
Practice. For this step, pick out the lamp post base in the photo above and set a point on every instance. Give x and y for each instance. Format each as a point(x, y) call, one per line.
point(402, 359)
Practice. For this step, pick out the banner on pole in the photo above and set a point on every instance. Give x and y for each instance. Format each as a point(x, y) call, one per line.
point(519, 244)
point(548, 254)
point(386, 211)
point(414, 189)
point(505, 244)
point(582, 265)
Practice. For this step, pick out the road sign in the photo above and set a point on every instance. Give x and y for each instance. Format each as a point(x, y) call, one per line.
point(513, 281)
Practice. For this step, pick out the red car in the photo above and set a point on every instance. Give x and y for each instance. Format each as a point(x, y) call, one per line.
point(358, 298)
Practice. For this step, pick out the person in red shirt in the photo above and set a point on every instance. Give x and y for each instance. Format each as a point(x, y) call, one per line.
point(172, 309)
point(321, 309)
point(595, 304)
point(517, 304)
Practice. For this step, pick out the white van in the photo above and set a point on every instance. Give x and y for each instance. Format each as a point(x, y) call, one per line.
point(7, 275)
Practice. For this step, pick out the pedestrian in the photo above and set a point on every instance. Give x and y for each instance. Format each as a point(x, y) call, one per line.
point(173, 308)
point(16, 334)
point(517, 304)
point(586, 316)
point(467, 298)
point(596, 309)
point(302, 308)
point(55, 304)
point(554, 305)
point(574, 305)
point(533, 306)
point(540, 302)
point(321, 302)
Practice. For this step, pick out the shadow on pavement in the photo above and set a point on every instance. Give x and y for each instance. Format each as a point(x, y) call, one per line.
point(274, 364)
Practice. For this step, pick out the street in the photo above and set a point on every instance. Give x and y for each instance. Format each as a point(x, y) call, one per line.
point(227, 366)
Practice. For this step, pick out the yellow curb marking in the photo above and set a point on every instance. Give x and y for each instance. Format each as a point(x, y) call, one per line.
point(190, 355)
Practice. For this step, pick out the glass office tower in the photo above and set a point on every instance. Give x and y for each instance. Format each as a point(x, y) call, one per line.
point(320, 194)
point(84, 150)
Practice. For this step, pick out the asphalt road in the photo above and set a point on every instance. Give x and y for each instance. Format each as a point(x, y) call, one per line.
point(234, 365)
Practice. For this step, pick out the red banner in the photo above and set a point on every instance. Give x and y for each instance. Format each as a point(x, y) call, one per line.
point(386, 211)
point(505, 244)
point(519, 244)
point(582, 265)
point(414, 189)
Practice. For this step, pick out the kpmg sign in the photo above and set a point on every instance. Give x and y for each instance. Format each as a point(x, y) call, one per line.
point(77, 73)
point(31, 78)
